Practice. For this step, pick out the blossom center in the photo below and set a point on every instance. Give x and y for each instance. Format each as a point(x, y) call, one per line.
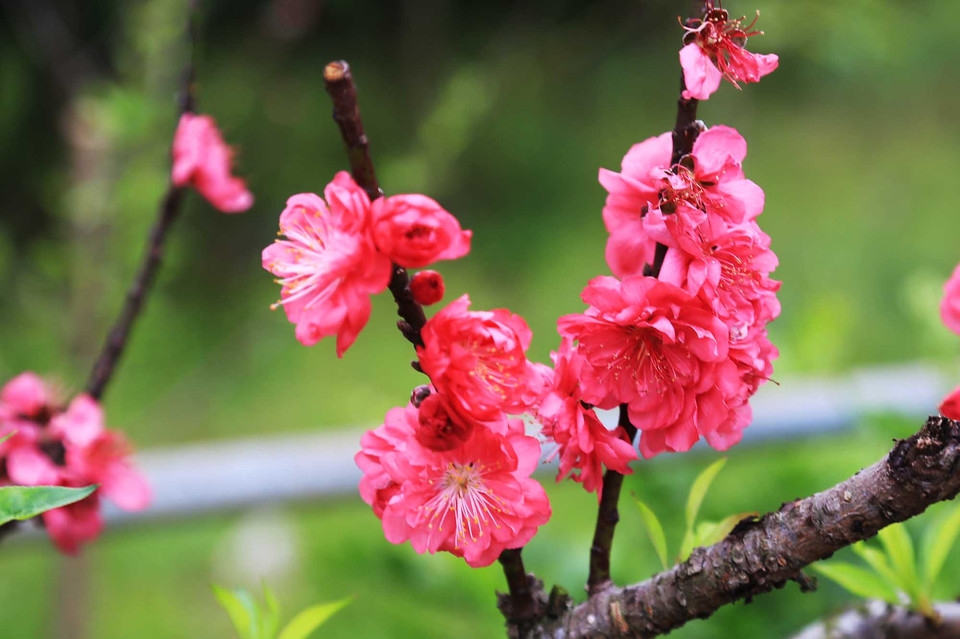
point(465, 499)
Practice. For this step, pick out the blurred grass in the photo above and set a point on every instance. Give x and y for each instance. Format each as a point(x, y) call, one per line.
point(503, 114)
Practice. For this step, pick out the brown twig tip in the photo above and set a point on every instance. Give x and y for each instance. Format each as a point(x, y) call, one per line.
point(336, 70)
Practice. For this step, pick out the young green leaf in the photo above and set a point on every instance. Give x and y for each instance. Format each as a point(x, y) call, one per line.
point(710, 532)
point(699, 490)
point(937, 544)
point(878, 561)
point(270, 619)
point(896, 541)
point(24, 502)
point(654, 531)
point(857, 580)
point(310, 619)
point(242, 610)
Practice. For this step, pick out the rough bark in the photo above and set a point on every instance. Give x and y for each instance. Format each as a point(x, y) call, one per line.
point(759, 556)
point(875, 618)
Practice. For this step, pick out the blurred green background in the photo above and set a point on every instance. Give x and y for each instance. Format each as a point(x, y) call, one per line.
point(503, 113)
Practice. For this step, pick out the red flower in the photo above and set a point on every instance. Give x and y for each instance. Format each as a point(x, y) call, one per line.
point(427, 287)
point(202, 159)
point(478, 359)
point(414, 231)
point(714, 49)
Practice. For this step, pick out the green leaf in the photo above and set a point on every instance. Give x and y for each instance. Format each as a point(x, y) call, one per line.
point(699, 490)
point(937, 544)
point(654, 531)
point(241, 608)
point(878, 561)
point(857, 580)
point(270, 621)
point(896, 541)
point(310, 619)
point(24, 502)
point(710, 532)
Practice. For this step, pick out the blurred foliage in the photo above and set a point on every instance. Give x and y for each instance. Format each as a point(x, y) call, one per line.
point(503, 112)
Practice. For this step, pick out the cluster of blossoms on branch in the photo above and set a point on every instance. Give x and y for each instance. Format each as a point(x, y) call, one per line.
point(676, 338)
point(53, 445)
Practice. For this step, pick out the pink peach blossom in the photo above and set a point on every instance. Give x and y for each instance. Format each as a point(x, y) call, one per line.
point(203, 160)
point(414, 231)
point(478, 359)
point(714, 49)
point(473, 501)
point(661, 351)
point(55, 447)
point(583, 442)
point(328, 266)
point(950, 406)
point(950, 304)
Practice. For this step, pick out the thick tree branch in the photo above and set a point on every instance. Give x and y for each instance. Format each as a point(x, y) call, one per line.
point(759, 556)
point(170, 206)
point(346, 113)
point(875, 618)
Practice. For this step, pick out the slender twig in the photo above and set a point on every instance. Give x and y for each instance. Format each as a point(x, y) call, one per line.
point(608, 516)
point(346, 113)
point(170, 205)
point(685, 132)
point(762, 555)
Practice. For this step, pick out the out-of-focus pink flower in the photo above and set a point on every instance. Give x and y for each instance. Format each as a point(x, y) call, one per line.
point(583, 442)
point(473, 501)
point(714, 49)
point(414, 231)
point(950, 407)
point(73, 525)
point(72, 448)
point(202, 159)
point(96, 455)
point(25, 395)
point(328, 266)
point(661, 351)
point(950, 305)
point(478, 359)
point(427, 287)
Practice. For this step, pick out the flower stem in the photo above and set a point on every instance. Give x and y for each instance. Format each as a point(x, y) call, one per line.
point(346, 113)
point(170, 205)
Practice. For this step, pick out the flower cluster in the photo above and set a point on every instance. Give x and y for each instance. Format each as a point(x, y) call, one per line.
point(337, 253)
point(53, 446)
point(451, 471)
point(203, 160)
point(714, 49)
point(682, 344)
point(950, 314)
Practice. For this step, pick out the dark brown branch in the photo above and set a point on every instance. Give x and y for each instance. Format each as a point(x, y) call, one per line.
point(875, 618)
point(113, 347)
point(525, 603)
point(608, 516)
point(760, 556)
point(346, 113)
